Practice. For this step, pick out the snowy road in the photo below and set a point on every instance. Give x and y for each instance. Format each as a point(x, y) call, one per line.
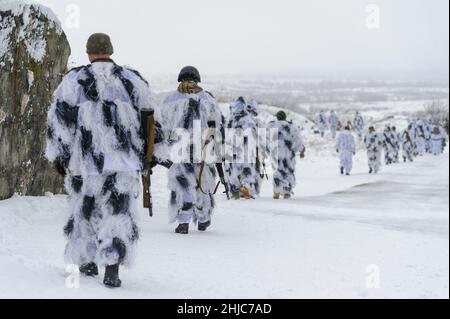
point(338, 234)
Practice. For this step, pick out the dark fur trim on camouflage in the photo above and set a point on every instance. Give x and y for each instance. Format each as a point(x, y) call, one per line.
point(89, 86)
point(99, 161)
point(120, 203)
point(88, 207)
point(86, 141)
point(119, 246)
point(77, 183)
point(68, 229)
point(67, 114)
point(184, 182)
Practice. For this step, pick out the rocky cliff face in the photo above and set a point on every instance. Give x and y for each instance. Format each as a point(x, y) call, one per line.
point(33, 58)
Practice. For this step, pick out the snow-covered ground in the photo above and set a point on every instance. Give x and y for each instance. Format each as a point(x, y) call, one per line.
point(337, 238)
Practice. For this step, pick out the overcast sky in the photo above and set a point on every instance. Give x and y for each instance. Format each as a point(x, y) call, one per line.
point(309, 37)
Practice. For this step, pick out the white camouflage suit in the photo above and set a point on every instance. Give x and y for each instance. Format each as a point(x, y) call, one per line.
point(333, 120)
point(284, 154)
point(408, 145)
point(244, 168)
point(428, 130)
point(397, 143)
point(438, 137)
point(321, 122)
point(94, 132)
point(181, 111)
point(421, 138)
point(412, 130)
point(374, 144)
point(389, 145)
point(358, 124)
point(346, 146)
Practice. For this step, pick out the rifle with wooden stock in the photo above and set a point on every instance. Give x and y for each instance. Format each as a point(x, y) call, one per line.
point(148, 125)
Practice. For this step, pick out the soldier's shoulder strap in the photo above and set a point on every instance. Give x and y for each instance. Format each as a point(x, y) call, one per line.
point(210, 94)
point(137, 73)
point(77, 69)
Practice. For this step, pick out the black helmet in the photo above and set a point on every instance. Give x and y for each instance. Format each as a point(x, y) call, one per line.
point(281, 116)
point(189, 73)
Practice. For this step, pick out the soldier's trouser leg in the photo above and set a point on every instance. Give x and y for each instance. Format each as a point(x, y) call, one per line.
point(187, 200)
point(436, 147)
point(408, 152)
point(421, 146)
point(284, 180)
point(377, 161)
point(182, 184)
point(205, 203)
point(102, 227)
point(234, 178)
point(250, 179)
point(333, 132)
point(346, 161)
point(371, 156)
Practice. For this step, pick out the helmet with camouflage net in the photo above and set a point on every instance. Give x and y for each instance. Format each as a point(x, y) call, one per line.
point(281, 116)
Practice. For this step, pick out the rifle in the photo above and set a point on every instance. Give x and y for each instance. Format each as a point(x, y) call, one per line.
point(209, 139)
point(219, 168)
point(148, 125)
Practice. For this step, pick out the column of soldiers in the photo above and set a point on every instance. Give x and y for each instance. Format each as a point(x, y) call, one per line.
point(333, 121)
point(419, 138)
point(105, 132)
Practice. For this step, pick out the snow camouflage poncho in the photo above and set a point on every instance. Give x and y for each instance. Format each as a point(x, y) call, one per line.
point(428, 131)
point(438, 139)
point(321, 122)
point(244, 167)
point(422, 136)
point(398, 144)
point(413, 135)
point(390, 145)
point(334, 123)
point(180, 112)
point(358, 124)
point(408, 145)
point(283, 155)
point(346, 147)
point(374, 144)
point(94, 132)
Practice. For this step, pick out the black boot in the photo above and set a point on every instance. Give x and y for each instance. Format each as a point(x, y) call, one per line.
point(112, 277)
point(90, 269)
point(182, 229)
point(342, 171)
point(370, 171)
point(204, 226)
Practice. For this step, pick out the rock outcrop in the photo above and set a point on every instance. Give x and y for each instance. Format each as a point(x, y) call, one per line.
point(34, 53)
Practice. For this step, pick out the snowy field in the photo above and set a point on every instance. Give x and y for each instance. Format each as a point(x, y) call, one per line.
point(328, 242)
